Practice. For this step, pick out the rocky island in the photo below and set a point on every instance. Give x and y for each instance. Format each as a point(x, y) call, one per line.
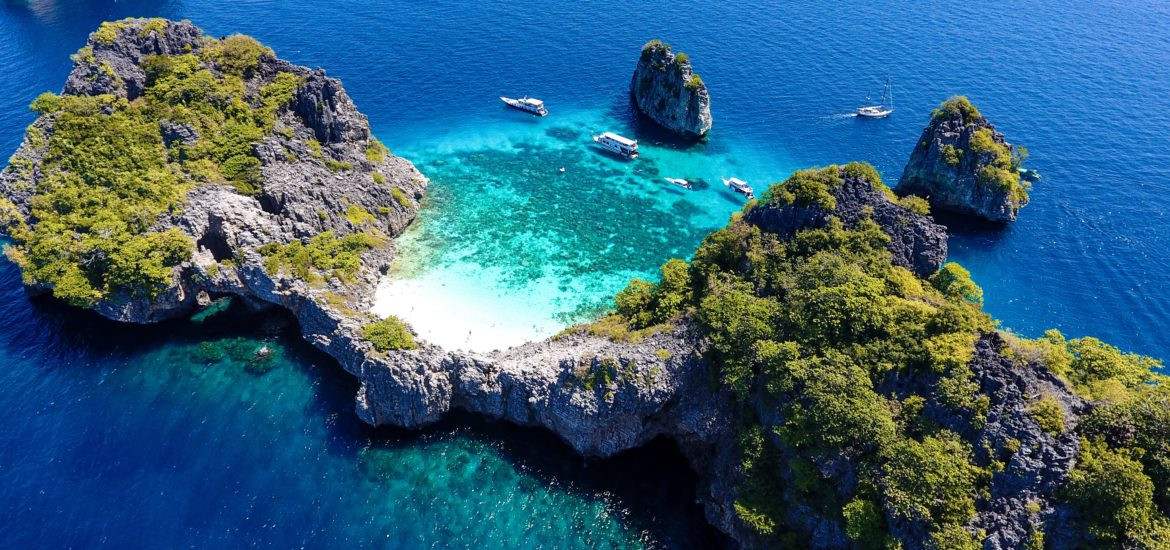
point(832, 380)
point(962, 164)
point(666, 89)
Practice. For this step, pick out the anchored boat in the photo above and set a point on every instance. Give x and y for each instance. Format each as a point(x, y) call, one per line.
point(740, 186)
point(623, 146)
point(680, 182)
point(526, 104)
point(881, 110)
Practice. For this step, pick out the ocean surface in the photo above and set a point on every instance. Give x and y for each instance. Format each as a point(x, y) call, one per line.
point(175, 435)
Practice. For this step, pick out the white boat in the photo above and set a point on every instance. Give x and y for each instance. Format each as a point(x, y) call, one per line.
point(881, 110)
point(680, 182)
point(526, 104)
point(740, 186)
point(623, 146)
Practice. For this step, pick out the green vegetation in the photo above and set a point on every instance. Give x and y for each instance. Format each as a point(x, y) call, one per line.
point(915, 204)
point(957, 106)
point(1049, 414)
point(999, 162)
point(693, 83)
point(389, 334)
point(812, 327)
point(237, 54)
point(376, 151)
point(108, 32)
point(108, 177)
point(155, 25)
point(326, 254)
point(379, 178)
point(358, 216)
point(399, 196)
point(1116, 497)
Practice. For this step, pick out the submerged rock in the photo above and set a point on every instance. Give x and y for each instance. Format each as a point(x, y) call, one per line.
point(963, 165)
point(666, 89)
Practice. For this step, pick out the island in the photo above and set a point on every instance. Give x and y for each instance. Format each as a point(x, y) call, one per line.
point(833, 381)
point(667, 90)
point(963, 165)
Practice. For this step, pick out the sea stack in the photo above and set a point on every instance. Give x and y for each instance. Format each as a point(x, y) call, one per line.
point(666, 89)
point(963, 165)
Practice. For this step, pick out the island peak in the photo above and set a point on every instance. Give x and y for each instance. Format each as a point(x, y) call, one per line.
point(962, 164)
point(666, 89)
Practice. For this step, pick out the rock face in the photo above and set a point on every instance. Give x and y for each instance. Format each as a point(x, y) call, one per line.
point(963, 165)
point(666, 89)
point(917, 243)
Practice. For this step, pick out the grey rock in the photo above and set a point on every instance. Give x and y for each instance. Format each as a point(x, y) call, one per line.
point(916, 242)
point(957, 188)
point(660, 91)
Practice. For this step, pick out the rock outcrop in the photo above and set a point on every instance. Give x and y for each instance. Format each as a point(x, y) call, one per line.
point(916, 242)
point(963, 165)
point(666, 89)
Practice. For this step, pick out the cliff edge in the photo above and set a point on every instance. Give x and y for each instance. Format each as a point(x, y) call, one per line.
point(666, 89)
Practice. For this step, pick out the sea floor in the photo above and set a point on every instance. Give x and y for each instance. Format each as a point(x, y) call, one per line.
point(508, 248)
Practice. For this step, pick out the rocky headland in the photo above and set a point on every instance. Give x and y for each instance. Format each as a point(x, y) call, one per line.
point(666, 89)
point(832, 381)
point(962, 164)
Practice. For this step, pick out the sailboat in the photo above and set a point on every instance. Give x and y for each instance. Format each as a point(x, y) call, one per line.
point(880, 110)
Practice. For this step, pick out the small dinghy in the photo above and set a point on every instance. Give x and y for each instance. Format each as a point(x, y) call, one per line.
point(680, 182)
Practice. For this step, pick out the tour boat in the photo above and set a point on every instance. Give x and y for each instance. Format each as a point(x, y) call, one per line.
point(625, 147)
point(680, 182)
point(740, 186)
point(526, 104)
point(880, 110)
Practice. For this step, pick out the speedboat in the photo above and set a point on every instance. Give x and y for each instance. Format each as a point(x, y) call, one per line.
point(526, 104)
point(881, 110)
point(680, 182)
point(614, 143)
point(740, 186)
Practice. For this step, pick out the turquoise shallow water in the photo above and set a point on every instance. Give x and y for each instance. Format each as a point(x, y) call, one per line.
point(122, 437)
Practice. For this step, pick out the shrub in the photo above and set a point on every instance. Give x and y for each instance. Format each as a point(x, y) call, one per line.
point(807, 188)
point(399, 196)
point(931, 480)
point(325, 253)
point(389, 334)
point(1111, 491)
point(951, 154)
point(955, 282)
point(46, 103)
point(107, 33)
point(237, 54)
point(155, 25)
point(958, 106)
point(358, 216)
point(1048, 413)
point(376, 151)
point(915, 204)
point(693, 83)
point(379, 178)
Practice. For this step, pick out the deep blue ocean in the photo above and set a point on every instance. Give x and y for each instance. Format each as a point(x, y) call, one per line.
point(171, 436)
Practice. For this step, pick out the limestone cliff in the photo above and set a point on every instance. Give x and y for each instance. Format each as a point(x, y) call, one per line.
point(962, 164)
point(666, 89)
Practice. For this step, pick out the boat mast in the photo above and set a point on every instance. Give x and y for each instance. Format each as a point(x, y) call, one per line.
point(891, 92)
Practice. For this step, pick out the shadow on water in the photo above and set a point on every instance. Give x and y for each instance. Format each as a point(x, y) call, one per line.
point(652, 487)
point(970, 230)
